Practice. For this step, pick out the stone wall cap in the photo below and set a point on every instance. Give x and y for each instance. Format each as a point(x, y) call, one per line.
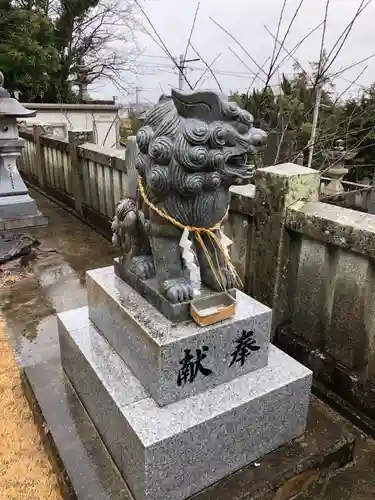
point(73, 107)
point(288, 169)
point(97, 148)
point(335, 213)
point(247, 190)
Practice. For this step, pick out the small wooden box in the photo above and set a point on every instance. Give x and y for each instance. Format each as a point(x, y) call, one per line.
point(213, 308)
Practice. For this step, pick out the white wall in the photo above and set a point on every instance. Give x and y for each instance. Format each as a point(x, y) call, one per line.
point(103, 119)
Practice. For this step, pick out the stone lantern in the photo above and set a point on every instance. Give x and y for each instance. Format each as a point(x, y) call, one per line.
point(336, 172)
point(17, 209)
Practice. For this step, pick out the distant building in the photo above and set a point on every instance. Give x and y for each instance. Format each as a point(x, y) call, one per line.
point(102, 119)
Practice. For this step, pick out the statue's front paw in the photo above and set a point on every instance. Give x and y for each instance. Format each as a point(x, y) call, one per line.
point(143, 266)
point(178, 290)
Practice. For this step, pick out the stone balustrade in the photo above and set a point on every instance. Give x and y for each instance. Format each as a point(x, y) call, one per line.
point(327, 316)
point(85, 177)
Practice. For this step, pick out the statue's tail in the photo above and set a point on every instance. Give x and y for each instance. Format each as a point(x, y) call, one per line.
point(130, 190)
point(125, 219)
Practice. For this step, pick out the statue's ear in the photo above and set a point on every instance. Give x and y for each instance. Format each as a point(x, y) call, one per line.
point(204, 105)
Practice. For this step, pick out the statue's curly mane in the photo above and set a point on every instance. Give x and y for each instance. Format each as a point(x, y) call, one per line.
point(183, 155)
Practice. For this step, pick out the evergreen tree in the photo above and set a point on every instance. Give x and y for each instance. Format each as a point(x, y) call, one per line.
point(28, 55)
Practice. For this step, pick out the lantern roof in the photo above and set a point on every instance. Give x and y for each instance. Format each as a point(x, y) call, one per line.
point(10, 107)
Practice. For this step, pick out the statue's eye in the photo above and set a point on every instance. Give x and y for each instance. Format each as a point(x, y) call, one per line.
point(242, 128)
point(232, 109)
point(247, 118)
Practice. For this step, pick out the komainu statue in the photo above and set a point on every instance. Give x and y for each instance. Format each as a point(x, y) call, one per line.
point(191, 149)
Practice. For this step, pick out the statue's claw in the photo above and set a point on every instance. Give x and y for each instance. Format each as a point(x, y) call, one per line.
point(178, 290)
point(143, 266)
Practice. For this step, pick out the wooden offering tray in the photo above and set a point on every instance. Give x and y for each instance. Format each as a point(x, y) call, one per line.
point(213, 308)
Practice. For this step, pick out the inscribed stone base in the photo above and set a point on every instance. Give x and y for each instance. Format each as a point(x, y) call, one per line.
point(174, 451)
point(17, 206)
point(149, 289)
point(18, 223)
point(155, 349)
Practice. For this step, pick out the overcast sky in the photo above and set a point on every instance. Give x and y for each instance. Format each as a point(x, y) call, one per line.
point(246, 20)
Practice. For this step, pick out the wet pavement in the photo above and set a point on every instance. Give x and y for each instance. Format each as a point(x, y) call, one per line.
point(56, 282)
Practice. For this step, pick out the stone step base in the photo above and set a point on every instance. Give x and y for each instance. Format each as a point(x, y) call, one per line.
point(17, 224)
point(174, 451)
point(21, 205)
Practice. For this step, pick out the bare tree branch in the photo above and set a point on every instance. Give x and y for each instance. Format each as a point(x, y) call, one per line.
point(343, 37)
point(333, 75)
point(162, 43)
point(239, 44)
point(291, 56)
point(206, 70)
point(191, 31)
point(208, 67)
point(244, 64)
point(297, 46)
point(321, 63)
point(272, 69)
point(277, 34)
point(257, 76)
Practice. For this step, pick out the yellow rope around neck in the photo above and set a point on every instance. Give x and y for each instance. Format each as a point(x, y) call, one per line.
point(197, 232)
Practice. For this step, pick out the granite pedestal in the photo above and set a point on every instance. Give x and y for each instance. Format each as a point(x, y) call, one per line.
point(153, 347)
point(173, 432)
point(174, 451)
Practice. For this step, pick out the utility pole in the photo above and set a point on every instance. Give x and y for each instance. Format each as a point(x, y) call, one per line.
point(181, 73)
point(321, 80)
point(137, 92)
point(181, 70)
point(319, 90)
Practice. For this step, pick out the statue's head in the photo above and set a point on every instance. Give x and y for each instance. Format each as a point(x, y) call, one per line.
point(203, 132)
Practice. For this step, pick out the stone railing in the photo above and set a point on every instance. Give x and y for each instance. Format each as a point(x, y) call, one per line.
point(327, 310)
point(85, 177)
point(312, 262)
point(356, 196)
point(46, 161)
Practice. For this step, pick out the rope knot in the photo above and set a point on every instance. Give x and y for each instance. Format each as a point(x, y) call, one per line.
point(198, 236)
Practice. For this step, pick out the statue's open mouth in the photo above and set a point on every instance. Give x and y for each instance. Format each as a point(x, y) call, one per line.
point(236, 166)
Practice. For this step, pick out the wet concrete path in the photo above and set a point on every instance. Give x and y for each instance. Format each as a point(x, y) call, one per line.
point(57, 283)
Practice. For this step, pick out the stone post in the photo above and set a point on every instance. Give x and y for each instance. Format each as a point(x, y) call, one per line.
point(277, 188)
point(76, 138)
point(38, 130)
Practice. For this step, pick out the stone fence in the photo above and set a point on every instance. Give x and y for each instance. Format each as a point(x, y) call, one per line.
point(357, 196)
point(312, 262)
